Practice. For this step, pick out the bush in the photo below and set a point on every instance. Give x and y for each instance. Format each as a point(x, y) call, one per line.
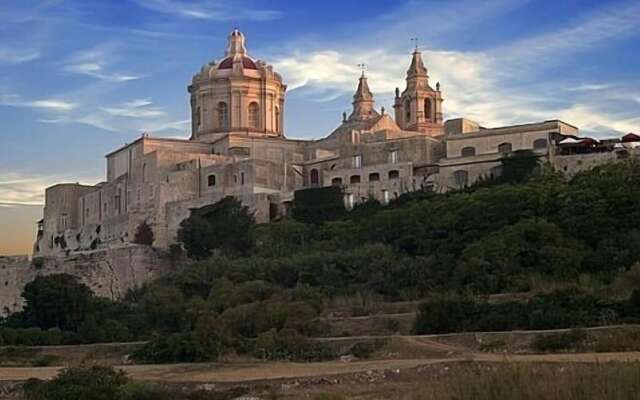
point(364, 350)
point(45, 360)
point(569, 341)
point(288, 344)
point(79, 383)
point(37, 262)
point(144, 234)
point(142, 391)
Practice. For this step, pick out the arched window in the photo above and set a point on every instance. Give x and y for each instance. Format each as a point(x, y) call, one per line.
point(540, 144)
point(144, 172)
point(336, 181)
point(277, 124)
point(461, 178)
point(354, 179)
point(505, 148)
point(394, 174)
point(427, 109)
point(469, 151)
point(223, 115)
point(254, 115)
point(374, 177)
point(211, 180)
point(315, 177)
point(407, 111)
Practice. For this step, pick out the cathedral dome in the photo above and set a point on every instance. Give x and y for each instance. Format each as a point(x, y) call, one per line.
point(247, 63)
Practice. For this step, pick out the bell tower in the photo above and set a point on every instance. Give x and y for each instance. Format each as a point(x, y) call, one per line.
point(419, 107)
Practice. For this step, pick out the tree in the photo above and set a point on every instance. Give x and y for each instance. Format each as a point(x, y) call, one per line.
point(317, 205)
point(56, 301)
point(225, 226)
point(144, 234)
point(519, 166)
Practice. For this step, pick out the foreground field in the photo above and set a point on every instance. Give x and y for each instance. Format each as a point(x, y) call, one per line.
point(457, 366)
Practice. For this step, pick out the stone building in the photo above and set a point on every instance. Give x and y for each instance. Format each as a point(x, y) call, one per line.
point(238, 148)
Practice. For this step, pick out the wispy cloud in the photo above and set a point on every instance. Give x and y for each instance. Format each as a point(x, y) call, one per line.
point(138, 108)
point(11, 56)
point(590, 87)
point(94, 62)
point(214, 10)
point(22, 189)
point(44, 104)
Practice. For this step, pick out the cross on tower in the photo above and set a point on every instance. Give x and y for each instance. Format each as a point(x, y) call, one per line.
point(415, 41)
point(362, 66)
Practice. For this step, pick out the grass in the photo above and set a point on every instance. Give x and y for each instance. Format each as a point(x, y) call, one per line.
point(610, 381)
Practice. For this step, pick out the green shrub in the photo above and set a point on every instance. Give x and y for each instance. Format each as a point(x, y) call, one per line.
point(142, 391)
point(569, 341)
point(45, 360)
point(79, 383)
point(364, 350)
point(287, 344)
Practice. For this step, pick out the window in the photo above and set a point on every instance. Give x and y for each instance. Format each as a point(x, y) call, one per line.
point(394, 174)
point(277, 120)
point(315, 177)
point(211, 180)
point(385, 197)
point(427, 109)
point(198, 117)
point(495, 172)
point(461, 178)
point(354, 179)
point(407, 111)
point(144, 172)
point(336, 182)
point(374, 177)
point(357, 161)
point(393, 157)
point(242, 178)
point(468, 151)
point(349, 201)
point(235, 179)
point(223, 115)
point(504, 148)
point(254, 115)
point(540, 144)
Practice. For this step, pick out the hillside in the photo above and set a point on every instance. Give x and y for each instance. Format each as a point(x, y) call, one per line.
point(532, 253)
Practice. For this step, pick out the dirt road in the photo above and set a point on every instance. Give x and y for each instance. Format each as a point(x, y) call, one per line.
point(247, 372)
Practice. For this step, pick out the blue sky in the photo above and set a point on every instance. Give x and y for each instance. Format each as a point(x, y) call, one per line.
point(79, 78)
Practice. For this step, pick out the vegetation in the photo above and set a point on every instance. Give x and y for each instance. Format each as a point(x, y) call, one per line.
point(144, 234)
point(524, 381)
point(260, 289)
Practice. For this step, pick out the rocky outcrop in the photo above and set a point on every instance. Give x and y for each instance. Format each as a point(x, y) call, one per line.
point(108, 272)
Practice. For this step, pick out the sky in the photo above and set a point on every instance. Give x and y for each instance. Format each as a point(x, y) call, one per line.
point(79, 78)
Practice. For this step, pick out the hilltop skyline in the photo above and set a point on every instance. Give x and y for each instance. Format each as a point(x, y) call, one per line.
point(82, 78)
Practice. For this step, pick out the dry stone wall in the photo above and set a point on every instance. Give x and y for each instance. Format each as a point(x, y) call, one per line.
point(109, 272)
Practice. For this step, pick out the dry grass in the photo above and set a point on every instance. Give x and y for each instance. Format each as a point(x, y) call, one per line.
point(610, 381)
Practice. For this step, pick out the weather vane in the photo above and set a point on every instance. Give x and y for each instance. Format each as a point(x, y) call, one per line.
point(415, 41)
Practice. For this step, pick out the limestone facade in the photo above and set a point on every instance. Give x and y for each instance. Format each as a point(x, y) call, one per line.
point(238, 147)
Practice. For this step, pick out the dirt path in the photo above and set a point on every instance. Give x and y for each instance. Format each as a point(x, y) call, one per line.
point(246, 372)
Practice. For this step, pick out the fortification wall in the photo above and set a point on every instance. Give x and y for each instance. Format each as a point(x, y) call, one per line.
point(109, 272)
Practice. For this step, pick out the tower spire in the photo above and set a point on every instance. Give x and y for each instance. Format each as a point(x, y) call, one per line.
point(417, 68)
point(362, 99)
